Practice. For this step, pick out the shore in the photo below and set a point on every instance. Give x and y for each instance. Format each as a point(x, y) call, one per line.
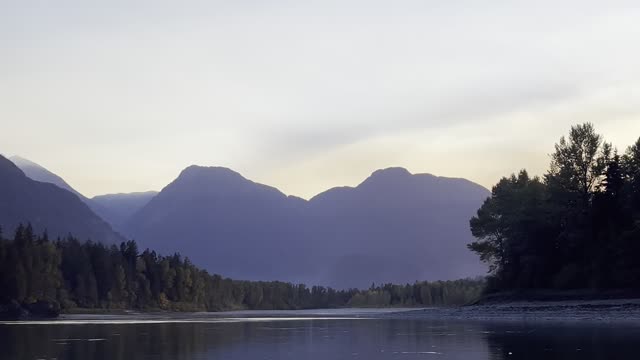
point(603, 310)
point(565, 306)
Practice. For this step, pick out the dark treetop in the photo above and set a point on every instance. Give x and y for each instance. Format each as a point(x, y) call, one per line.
point(576, 227)
point(67, 274)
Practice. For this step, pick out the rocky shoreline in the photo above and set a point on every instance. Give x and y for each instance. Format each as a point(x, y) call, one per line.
point(32, 311)
point(589, 310)
point(612, 310)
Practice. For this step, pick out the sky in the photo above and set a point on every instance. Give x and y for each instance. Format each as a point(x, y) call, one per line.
point(120, 96)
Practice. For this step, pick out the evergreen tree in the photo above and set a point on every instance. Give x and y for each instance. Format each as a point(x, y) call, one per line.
point(579, 228)
point(90, 275)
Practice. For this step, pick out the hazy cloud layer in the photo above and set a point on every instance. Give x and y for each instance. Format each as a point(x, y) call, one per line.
point(120, 95)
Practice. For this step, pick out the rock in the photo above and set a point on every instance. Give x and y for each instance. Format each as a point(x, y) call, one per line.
point(13, 311)
point(43, 309)
point(40, 309)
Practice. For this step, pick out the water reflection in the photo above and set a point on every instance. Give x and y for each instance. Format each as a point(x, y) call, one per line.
point(319, 339)
point(568, 341)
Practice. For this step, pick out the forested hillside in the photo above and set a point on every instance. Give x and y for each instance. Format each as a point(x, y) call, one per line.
point(578, 226)
point(72, 274)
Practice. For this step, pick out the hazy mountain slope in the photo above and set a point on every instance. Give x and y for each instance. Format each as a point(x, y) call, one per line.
point(113, 208)
point(397, 227)
point(225, 223)
point(116, 209)
point(47, 206)
point(39, 173)
point(393, 227)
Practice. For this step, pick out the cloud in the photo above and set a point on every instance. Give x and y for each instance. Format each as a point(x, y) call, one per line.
point(288, 89)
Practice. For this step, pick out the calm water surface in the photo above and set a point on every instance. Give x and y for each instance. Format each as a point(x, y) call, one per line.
point(322, 337)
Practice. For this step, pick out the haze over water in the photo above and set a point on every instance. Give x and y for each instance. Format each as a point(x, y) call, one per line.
point(325, 336)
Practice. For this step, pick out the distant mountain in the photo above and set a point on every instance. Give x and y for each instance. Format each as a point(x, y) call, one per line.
point(397, 227)
point(116, 209)
point(39, 173)
point(113, 208)
point(47, 206)
point(394, 227)
point(226, 223)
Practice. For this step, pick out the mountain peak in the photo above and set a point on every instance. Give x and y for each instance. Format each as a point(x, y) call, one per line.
point(47, 206)
point(215, 180)
point(388, 176)
point(396, 172)
point(211, 177)
point(9, 167)
point(197, 170)
point(18, 159)
point(39, 173)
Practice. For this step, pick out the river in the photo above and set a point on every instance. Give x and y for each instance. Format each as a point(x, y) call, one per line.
point(336, 334)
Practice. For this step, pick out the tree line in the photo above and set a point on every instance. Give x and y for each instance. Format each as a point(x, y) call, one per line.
point(577, 226)
point(74, 274)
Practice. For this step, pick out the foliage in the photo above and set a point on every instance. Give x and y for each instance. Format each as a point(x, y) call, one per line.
point(92, 275)
point(577, 227)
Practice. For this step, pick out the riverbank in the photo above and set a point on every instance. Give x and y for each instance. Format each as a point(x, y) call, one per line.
point(563, 306)
point(620, 311)
point(37, 310)
point(546, 295)
point(601, 310)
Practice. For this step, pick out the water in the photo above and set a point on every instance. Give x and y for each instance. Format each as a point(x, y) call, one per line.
point(311, 336)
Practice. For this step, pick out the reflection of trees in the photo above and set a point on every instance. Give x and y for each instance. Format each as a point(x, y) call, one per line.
point(319, 339)
point(135, 341)
point(316, 339)
point(458, 340)
point(563, 342)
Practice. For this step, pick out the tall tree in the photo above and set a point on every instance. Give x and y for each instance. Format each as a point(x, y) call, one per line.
point(511, 227)
point(578, 228)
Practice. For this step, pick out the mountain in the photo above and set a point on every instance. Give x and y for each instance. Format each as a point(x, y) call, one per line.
point(113, 208)
point(39, 173)
point(47, 207)
point(397, 227)
point(116, 209)
point(226, 223)
point(393, 227)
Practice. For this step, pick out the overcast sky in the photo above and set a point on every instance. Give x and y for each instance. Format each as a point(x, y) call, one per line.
point(119, 96)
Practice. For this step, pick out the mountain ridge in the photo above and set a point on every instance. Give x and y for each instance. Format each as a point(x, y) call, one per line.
point(394, 226)
point(113, 208)
point(47, 207)
point(226, 205)
point(118, 208)
point(38, 172)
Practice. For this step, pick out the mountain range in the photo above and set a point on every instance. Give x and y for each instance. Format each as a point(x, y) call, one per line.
point(393, 227)
point(113, 208)
point(47, 206)
point(118, 208)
